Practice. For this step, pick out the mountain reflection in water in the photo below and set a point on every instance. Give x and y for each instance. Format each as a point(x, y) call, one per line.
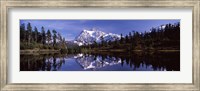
point(162, 61)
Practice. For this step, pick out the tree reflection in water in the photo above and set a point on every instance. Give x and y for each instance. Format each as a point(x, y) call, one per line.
point(104, 61)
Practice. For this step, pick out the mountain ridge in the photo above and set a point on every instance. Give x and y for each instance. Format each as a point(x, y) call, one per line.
point(94, 35)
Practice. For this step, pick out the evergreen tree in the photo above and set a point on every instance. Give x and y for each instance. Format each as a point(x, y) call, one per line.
point(126, 39)
point(35, 34)
point(121, 39)
point(43, 36)
point(60, 39)
point(95, 44)
point(48, 36)
point(22, 32)
point(29, 31)
point(54, 37)
point(102, 41)
point(63, 43)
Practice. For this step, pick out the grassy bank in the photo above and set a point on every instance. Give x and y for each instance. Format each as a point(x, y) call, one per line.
point(51, 51)
point(136, 50)
point(39, 51)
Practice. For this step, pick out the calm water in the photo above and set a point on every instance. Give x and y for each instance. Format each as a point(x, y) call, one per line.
point(167, 61)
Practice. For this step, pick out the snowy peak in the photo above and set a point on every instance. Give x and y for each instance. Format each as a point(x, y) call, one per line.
point(94, 35)
point(111, 37)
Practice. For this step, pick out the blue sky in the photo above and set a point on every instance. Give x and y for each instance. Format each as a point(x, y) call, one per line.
point(72, 28)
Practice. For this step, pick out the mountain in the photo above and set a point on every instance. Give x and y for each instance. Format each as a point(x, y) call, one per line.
point(89, 36)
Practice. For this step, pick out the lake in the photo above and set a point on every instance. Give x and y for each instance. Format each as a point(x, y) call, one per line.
point(104, 61)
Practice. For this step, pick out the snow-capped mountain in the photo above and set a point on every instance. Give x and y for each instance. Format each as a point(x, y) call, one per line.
point(89, 36)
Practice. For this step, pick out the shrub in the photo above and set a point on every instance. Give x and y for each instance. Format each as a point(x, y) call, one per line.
point(45, 47)
point(50, 47)
point(56, 47)
point(63, 51)
point(30, 46)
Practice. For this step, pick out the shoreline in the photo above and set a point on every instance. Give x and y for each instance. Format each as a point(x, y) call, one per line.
point(38, 51)
point(47, 51)
point(134, 50)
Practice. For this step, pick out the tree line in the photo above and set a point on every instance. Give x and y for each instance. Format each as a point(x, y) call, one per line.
point(31, 38)
point(164, 37)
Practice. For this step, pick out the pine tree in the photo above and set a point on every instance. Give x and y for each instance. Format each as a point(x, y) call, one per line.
point(43, 36)
point(126, 39)
point(29, 31)
point(22, 32)
point(60, 39)
point(102, 41)
point(64, 43)
point(121, 39)
point(35, 34)
point(48, 36)
point(54, 37)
